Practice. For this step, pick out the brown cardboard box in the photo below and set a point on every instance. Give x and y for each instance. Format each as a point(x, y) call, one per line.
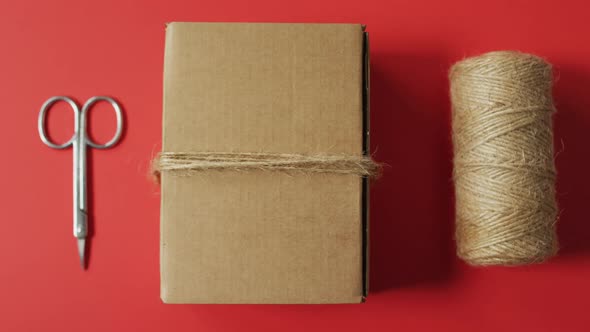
point(256, 236)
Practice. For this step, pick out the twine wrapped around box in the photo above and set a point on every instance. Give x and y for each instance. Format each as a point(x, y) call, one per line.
point(186, 163)
point(504, 171)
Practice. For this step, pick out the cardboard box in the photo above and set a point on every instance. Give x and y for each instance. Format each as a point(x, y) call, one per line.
point(256, 236)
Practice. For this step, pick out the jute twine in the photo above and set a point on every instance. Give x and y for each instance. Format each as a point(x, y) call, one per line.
point(504, 172)
point(186, 163)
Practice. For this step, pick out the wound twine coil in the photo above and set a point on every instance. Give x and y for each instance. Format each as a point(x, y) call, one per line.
point(504, 172)
point(186, 163)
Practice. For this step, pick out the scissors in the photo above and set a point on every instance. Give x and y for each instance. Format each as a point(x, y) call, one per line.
point(78, 142)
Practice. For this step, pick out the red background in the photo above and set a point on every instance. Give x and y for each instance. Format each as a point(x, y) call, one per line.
point(115, 48)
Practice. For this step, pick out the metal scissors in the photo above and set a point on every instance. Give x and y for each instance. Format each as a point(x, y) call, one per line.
point(78, 142)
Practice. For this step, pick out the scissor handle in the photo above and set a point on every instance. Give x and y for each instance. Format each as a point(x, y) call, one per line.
point(43, 116)
point(118, 114)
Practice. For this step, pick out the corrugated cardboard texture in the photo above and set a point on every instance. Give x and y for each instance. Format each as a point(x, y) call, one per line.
point(262, 237)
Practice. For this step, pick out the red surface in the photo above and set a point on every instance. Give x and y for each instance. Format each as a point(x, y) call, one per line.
point(112, 47)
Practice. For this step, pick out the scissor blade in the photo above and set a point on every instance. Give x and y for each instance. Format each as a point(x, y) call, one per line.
point(81, 247)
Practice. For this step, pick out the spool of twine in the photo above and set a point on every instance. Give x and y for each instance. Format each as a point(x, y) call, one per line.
point(504, 172)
